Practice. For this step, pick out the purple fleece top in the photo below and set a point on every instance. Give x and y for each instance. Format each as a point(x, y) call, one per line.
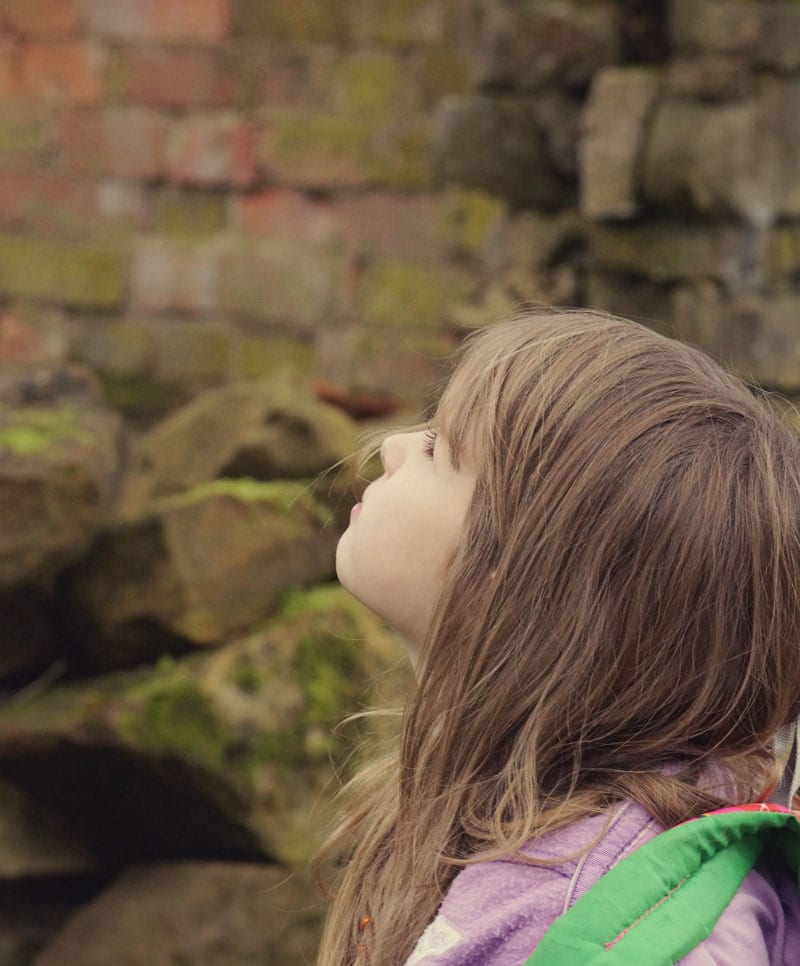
point(496, 912)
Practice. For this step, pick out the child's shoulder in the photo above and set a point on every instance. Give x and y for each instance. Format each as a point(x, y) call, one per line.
point(496, 911)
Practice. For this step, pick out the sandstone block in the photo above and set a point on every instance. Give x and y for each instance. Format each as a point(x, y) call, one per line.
point(57, 482)
point(783, 252)
point(212, 149)
point(226, 753)
point(620, 107)
point(122, 347)
point(496, 143)
point(272, 356)
point(724, 26)
point(766, 335)
point(158, 21)
point(471, 221)
point(197, 568)
point(264, 430)
point(191, 353)
point(189, 214)
point(83, 276)
point(528, 46)
point(779, 42)
point(404, 24)
point(164, 77)
point(370, 84)
point(199, 912)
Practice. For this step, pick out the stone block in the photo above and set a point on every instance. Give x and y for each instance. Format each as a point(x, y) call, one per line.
point(526, 47)
point(40, 17)
point(301, 22)
point(63, 70)
point(735, 158)
point(783, 252)
point(723, 26)
point(175, 276)
point(406, 23)
point(471, 221)
point(440, 71)
point(125, 142)
point(194, 912)
point(671, 250)
point(163, 77)
point(191, 353)
point(33, 339)
point(189, 214)
point(404, 295)
point(620, 108)
point(81, 276)
point(766, 333)
point(272, 355)
point(534, 240)
point(399, 154)
point(212, 149)
point(710, 76)
point(158, 21)
point(277, 283)
point(122, 347)
point(779, 42)
point(709, 158)
point(633, 298)
point(495, 143)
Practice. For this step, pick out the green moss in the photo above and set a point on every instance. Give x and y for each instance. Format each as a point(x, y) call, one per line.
point(190, 214)
point(371, 85)
point(285, 496)
point(179, 721)
point(29, 432)
point(469, 216)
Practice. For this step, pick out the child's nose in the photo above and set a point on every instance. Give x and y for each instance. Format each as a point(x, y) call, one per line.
point(392, 450)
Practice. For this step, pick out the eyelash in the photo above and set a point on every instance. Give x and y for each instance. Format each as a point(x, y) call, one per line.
point(429, 442)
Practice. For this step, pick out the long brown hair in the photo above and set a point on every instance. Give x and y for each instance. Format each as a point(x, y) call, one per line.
point(621, 616)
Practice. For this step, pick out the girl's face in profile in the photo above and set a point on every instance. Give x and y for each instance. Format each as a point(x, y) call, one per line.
point(394, 555)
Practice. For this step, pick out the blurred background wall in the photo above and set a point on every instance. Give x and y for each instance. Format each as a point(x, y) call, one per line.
point(229, 229)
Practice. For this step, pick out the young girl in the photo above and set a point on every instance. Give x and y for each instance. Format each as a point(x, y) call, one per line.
point(593, 553)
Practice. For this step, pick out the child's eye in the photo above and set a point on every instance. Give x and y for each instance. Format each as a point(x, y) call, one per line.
point(429, 442)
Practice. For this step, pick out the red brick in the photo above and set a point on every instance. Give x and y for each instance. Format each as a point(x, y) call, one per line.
point(212, 149)
point(22, 340)
point(158, 77)
point(63, 207)
point(160, 21)
point(10, 79)
point(63, 70)
point(385, 224)
point(40, 17)
point(127, 142)
point(288, 215)
point(26, 138)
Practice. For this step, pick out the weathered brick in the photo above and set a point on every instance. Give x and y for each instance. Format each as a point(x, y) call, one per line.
point(189, 214)
point(391, 224)
point(25, 139)
point(121, 347)
point(159, 21)
point(127, 142)
point(278, 283)
point(163, 78)
point(83, 276)
point(68, 71)
point(313, 149)
point(724, 26)
point(373, 84)
point(408, 295)
point(620, 105)
point(286, 215)
point(212, 149)
point(40, 17)
point(279, 76)
point(191, 353)
point(170, 276)
point(44, 204)
point(302, 21)
point(29, 338)
point(271, 355)
point(783, 252)
point(402, 24)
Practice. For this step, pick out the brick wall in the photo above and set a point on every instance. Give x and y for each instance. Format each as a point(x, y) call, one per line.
point(200, 190)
